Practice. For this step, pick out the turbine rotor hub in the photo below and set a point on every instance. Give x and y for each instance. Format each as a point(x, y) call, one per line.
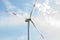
point(27, 20)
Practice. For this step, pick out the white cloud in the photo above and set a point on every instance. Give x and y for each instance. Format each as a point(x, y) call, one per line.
point(11, 21)
point(47, 1)
point(45, 8)
point(54, 22)
point(48, 24)
point(22, 38)
point(58, 2)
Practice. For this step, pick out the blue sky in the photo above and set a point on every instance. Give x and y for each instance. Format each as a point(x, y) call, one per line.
point(45, 16)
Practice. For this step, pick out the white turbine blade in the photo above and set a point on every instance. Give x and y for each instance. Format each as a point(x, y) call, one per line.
point(16, 14)
point(32, 11)
point(12, 13)
point(33, 8)
point(37, 29)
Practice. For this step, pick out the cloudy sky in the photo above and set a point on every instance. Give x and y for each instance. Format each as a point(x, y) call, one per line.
point(46, 17)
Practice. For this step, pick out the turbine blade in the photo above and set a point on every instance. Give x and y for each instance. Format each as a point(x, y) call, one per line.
point(33, 9)
point(37, 29)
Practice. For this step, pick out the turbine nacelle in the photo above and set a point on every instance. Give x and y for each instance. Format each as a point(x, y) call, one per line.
point(27, 20)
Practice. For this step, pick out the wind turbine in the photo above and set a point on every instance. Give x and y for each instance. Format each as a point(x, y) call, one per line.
point(28, 20)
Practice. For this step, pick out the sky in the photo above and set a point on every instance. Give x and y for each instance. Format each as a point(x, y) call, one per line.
point(46, 17)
